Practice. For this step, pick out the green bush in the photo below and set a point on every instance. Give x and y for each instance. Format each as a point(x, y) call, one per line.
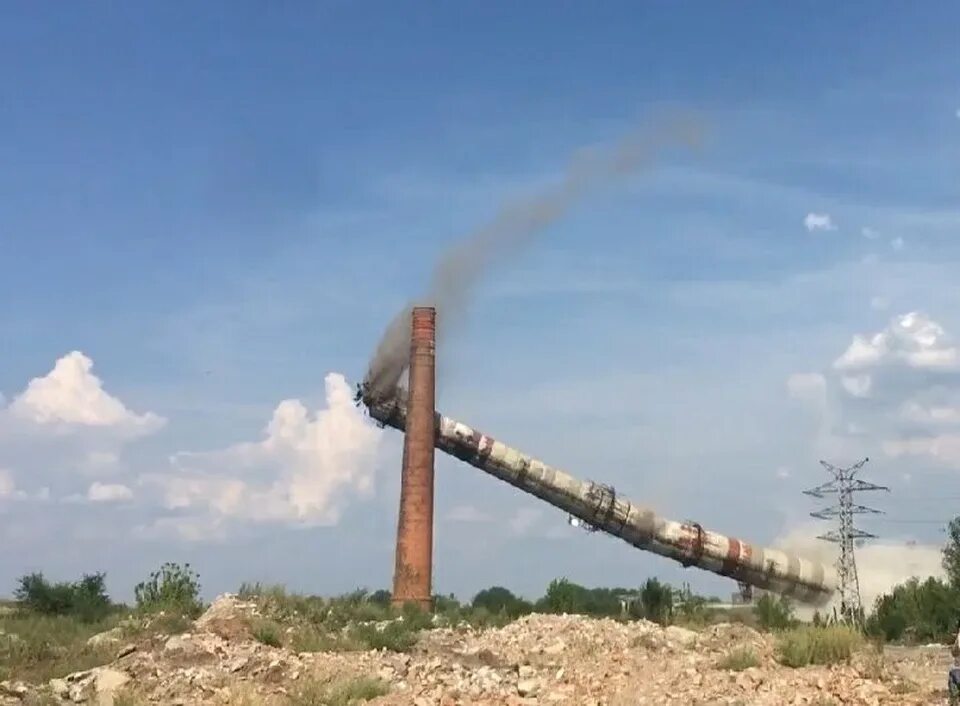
point(267, 632)
point(917, 612)
point(172, 589)
point(498, 599)
point(806, 645)
point(85, 599)
point(774, 613)
point(657, 601)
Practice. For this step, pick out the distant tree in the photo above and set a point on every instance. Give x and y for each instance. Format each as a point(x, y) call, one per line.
point(774, 613)
point(381, 597)
point(86, 599)
point(917, 611)
point(951, 553)
point(564, 596)
point(501, 601)
point(657, 600)
point(445, 604)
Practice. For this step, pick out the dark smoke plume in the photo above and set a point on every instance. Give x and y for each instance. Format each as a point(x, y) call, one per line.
point(516, 225)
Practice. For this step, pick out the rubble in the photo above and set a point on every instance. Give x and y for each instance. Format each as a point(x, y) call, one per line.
point(561, 660)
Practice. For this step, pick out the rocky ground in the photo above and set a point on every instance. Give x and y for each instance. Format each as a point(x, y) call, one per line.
point(539, 659)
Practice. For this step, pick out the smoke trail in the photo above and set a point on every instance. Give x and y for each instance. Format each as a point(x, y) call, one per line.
point(458, 270)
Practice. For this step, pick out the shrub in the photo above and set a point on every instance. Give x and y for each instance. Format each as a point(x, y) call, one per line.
point(397, 636)
point(172, 589)
point(267, 632)
point(344, 693)
point(774, 613)
point(657, 601)
point(739, 659)
point(498, 599)
point(806, 645)
point(916, 611)
point(85, 599)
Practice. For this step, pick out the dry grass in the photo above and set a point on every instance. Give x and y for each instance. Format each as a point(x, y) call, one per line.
point(38, 648)
point(807, 645)
point(739, 659)
point(340, 693)
point(268, 632)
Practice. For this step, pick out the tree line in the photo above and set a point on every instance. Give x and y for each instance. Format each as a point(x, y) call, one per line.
point(918, 610)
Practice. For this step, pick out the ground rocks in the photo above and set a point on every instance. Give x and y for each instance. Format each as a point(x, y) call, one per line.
point(561, 660)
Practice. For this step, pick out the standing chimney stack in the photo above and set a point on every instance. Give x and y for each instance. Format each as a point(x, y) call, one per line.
point(414, 562)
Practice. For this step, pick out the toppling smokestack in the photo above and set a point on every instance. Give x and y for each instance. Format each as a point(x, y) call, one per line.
point(414, 561)
point(598, 506)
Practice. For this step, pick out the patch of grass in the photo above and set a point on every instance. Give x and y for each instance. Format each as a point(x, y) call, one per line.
point(50, 646)
point(312, 639)
point(173, 624)
point(268, 632)
point(739, 659)
point(394, 637)
point(806, 645)
point(342, 693)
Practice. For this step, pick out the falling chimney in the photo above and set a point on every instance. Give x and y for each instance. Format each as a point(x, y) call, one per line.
point(414, 563)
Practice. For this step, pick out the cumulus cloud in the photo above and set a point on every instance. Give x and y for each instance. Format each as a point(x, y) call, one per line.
point(881, 564)
point(897, 243)
point(869, 233)
point(913, 341)
point(71, 396)
point(818, 221)
point(302, 472)
point(64, 427)
point(108, 492)
point(898, 388)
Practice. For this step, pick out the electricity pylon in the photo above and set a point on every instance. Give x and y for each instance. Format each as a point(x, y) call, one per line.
point(845, 485)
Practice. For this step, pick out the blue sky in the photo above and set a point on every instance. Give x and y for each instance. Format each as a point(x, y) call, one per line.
point(219, 205)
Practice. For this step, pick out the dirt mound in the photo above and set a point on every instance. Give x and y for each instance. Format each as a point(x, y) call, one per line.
point(538, 659)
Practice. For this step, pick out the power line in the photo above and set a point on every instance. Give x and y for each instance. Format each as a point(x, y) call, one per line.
point(844, 484)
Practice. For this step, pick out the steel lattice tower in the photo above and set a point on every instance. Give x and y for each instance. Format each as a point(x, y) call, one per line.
point(844, 484)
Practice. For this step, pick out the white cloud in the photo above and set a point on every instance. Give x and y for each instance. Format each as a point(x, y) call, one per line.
point(869, 233)
point(108, 492)
point(64, 427)
point(467, 513)
point(881, 564)
point(879, 303)
point(71, 395)
point(912, 340)
point(897, 243)
point(783, 472)
point(301, 473)
point(818, 221)
point(897, 389)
